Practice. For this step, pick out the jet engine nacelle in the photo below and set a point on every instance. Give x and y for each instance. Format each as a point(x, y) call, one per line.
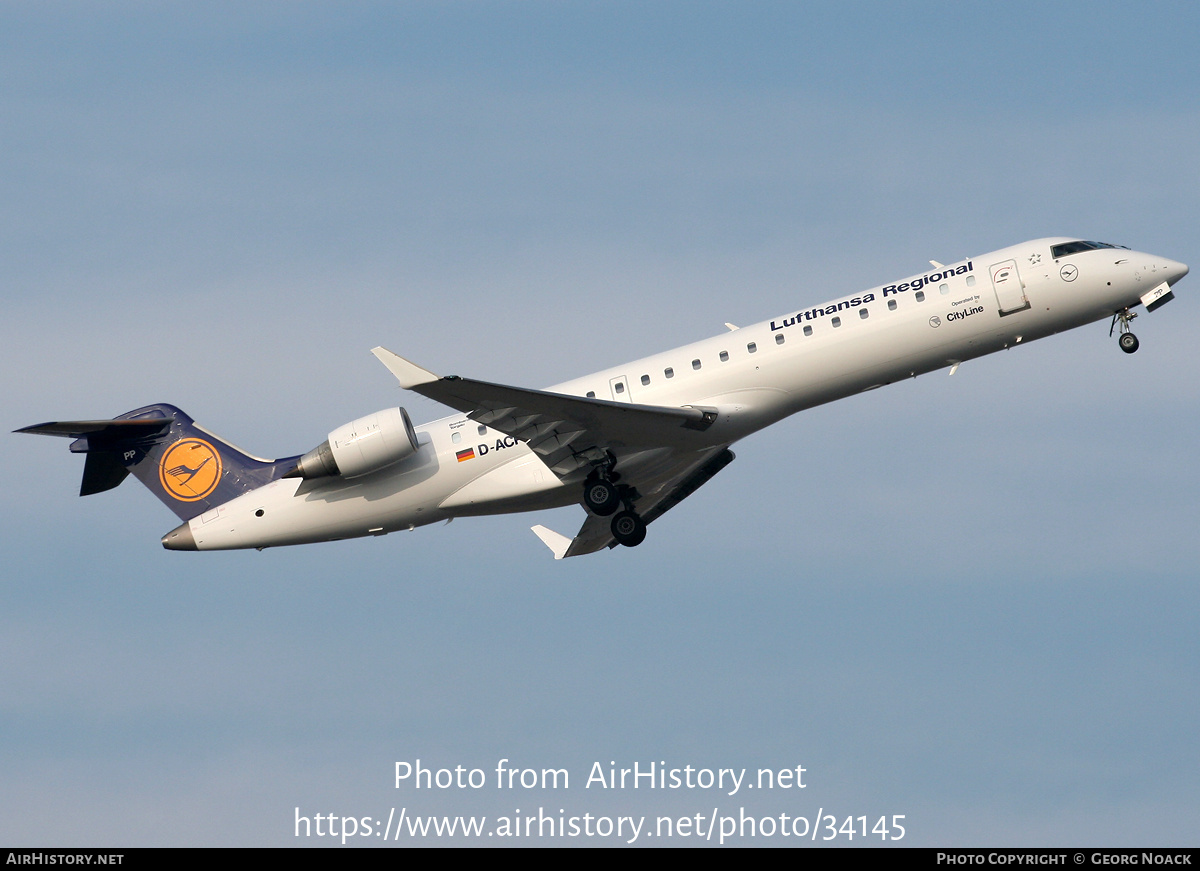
point(365, 445)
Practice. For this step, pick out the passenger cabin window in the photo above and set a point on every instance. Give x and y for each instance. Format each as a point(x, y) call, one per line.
point(970, 281)
point(920, 296)
point(619, 387)
point(645, 380)
point(891, 305)
point(456, 437)
point(669, 372)
point(944, 288)
point(724, 356)
point(695, 364)
point(751, 348)
point(591, 394)
point(837, 322)
point(779, 338)
point(482, 429)
point(863, 313)
point(807, 330)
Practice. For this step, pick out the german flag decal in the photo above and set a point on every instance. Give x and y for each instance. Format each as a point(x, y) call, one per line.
point(468, 454)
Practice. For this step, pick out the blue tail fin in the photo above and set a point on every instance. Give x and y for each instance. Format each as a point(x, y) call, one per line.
point(185, 466)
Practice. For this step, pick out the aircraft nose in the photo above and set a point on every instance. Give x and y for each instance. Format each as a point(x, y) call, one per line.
point(1175, 271)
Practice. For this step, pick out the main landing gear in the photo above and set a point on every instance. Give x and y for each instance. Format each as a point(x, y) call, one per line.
point(603, 496)
point(1127, 340)
point(628, 528)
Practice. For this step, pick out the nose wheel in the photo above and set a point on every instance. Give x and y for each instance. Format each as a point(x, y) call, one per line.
point(1127, 340)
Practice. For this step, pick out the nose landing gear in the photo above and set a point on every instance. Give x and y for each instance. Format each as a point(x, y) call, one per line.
point(1127, 340)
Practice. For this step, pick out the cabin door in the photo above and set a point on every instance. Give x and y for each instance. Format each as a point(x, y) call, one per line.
point(1010, 290)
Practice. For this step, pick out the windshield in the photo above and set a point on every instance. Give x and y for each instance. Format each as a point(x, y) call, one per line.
point(1066, 248)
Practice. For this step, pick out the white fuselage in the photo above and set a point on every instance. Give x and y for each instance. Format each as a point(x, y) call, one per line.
point(754, 376)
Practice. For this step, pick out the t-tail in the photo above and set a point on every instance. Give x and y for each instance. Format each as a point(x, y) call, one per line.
point(184, 465)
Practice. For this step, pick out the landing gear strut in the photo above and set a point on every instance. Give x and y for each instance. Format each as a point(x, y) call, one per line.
point(1127, 340)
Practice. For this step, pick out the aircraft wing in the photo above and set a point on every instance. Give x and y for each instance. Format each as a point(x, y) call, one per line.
point(596, 534)
point(567, 432)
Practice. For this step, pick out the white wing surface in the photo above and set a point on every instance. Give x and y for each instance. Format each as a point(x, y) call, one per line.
point(567, 432)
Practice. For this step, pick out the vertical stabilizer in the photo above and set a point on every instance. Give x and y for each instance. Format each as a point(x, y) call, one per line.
point(184, 465)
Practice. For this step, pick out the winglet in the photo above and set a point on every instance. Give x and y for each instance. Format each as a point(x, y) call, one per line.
point(408, 374)
point(558, 544)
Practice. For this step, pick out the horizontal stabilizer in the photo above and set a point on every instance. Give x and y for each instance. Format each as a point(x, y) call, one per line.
point(101, 441)
point(100, 430)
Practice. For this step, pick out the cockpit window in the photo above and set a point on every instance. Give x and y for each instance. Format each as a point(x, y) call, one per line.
point(1075, 247)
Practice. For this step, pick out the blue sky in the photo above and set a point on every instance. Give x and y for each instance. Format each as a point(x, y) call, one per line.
point(970, 601)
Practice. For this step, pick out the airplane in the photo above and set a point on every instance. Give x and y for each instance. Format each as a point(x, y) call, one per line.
point(627, 443)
